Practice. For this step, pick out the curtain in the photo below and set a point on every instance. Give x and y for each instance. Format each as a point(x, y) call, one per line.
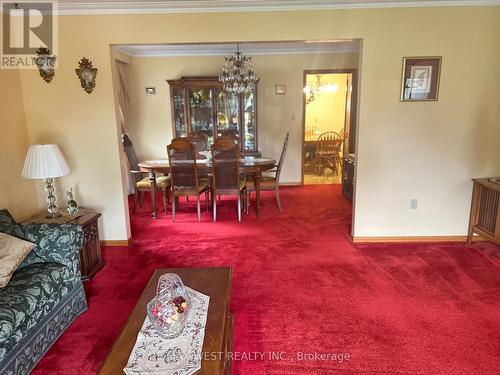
point(123, 107)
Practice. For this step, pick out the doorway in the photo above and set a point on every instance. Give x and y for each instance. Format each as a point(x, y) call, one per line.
point(327, 121)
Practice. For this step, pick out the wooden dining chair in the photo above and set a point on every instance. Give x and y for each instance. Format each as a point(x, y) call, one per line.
point(141, 182)
point(184, 173)
point(328, 152)
point(226, 179)
point(229, 133)
point(269, 182)
point(342, 134)
point(200, 141)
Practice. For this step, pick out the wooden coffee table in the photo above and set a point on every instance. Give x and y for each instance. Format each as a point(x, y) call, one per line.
point(215, 283)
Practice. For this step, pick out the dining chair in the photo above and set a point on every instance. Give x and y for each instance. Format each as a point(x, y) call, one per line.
point(226, 179)
point(328, 152)
point(342, 134)
point(142, 183)
point(184, 173)
point(269, 182)
point(200, 141)
point(229, 133)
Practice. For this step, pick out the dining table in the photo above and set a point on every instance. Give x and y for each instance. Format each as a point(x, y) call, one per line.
point(248, 165)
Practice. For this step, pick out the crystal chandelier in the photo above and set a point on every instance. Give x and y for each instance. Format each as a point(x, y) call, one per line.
point(315, 88)
point(237, 75)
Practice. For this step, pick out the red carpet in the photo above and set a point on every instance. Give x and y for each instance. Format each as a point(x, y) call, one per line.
point(301, 286)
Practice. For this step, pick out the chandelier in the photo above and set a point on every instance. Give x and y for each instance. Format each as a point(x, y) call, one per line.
point(237, 75)
point(315, 88)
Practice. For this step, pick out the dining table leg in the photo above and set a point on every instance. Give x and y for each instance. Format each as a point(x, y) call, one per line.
point(257, 192)
point(152, 180)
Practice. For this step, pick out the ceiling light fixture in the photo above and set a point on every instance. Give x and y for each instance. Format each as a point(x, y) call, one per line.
point(314, 89)
point(237, 75)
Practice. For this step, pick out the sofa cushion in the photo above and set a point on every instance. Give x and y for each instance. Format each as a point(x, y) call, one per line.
point(30, 295)
point(13, 250)
point(6, 217)
point(8, 224)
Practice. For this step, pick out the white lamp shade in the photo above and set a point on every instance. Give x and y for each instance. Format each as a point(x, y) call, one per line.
point(44, 161)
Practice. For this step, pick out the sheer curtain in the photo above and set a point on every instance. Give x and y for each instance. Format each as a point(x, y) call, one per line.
point(123, 107)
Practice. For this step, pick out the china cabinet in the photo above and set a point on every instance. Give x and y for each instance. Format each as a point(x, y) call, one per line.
point(199, 104)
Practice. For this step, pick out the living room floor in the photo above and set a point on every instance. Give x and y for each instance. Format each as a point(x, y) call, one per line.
point(301, 286)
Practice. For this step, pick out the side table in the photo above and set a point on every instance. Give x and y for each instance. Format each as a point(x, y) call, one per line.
point(90, 255)
point(485, 210)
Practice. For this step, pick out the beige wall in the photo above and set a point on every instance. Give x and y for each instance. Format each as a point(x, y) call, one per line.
point(405, 150)
point(17, 194)
point(150, 116)
point(84, 127)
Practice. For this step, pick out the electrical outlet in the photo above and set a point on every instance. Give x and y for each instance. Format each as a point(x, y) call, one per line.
point(413, 204)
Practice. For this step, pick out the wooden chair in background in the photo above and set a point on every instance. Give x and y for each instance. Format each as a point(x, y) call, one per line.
point(142, 183)
point(200, 141)
point(229, 133)
point(270, 182)
point(226, 172)
point(342, 134)
point(328, 152)
point(184, 173)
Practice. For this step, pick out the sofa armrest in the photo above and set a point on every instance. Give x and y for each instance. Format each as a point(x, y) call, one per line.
point(59, 243)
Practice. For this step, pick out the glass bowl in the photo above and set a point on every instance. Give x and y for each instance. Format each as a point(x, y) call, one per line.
point(168, 310)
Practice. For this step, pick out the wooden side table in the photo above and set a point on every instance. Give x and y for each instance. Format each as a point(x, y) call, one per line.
point(90, 255)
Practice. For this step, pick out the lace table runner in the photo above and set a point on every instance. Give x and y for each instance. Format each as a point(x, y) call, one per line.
point(155, 355)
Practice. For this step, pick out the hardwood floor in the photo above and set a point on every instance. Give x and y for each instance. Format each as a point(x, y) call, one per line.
point(317, 179)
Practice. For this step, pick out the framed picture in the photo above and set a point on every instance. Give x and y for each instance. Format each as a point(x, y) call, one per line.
point(280, 89)
point(150, 91)
point(420, 79)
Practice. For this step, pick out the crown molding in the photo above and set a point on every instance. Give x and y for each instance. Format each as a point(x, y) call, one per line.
point(216, 6)
point(200, 50)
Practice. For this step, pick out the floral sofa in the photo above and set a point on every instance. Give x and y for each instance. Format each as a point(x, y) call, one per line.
point(44, 295)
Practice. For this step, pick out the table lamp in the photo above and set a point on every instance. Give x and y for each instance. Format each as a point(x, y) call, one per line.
point(46, 162)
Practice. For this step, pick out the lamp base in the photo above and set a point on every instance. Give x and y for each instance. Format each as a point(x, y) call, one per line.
point(53, 216)
point(51, 200)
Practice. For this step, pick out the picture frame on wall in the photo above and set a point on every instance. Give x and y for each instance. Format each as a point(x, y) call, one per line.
point(420, 79)
point(280, 89)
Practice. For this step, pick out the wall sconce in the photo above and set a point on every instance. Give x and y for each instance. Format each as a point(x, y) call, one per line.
point(45, 63)
point(87, 74)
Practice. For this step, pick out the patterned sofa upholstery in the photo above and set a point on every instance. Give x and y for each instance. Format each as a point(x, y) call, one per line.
point(44, 295)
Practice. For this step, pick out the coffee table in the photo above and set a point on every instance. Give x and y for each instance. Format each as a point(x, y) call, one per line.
point(214, 282)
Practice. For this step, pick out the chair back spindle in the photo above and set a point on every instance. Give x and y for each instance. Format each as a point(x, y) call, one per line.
point(329, 144)
point(328, 152)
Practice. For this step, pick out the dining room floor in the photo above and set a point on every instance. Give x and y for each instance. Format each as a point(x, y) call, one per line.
point(326, 178)
point(301, 289)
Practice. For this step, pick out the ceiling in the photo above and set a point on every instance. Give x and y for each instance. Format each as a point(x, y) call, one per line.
point(221, 49)
point(173, 6)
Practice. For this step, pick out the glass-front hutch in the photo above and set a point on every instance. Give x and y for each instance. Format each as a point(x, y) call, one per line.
point(199, 104)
